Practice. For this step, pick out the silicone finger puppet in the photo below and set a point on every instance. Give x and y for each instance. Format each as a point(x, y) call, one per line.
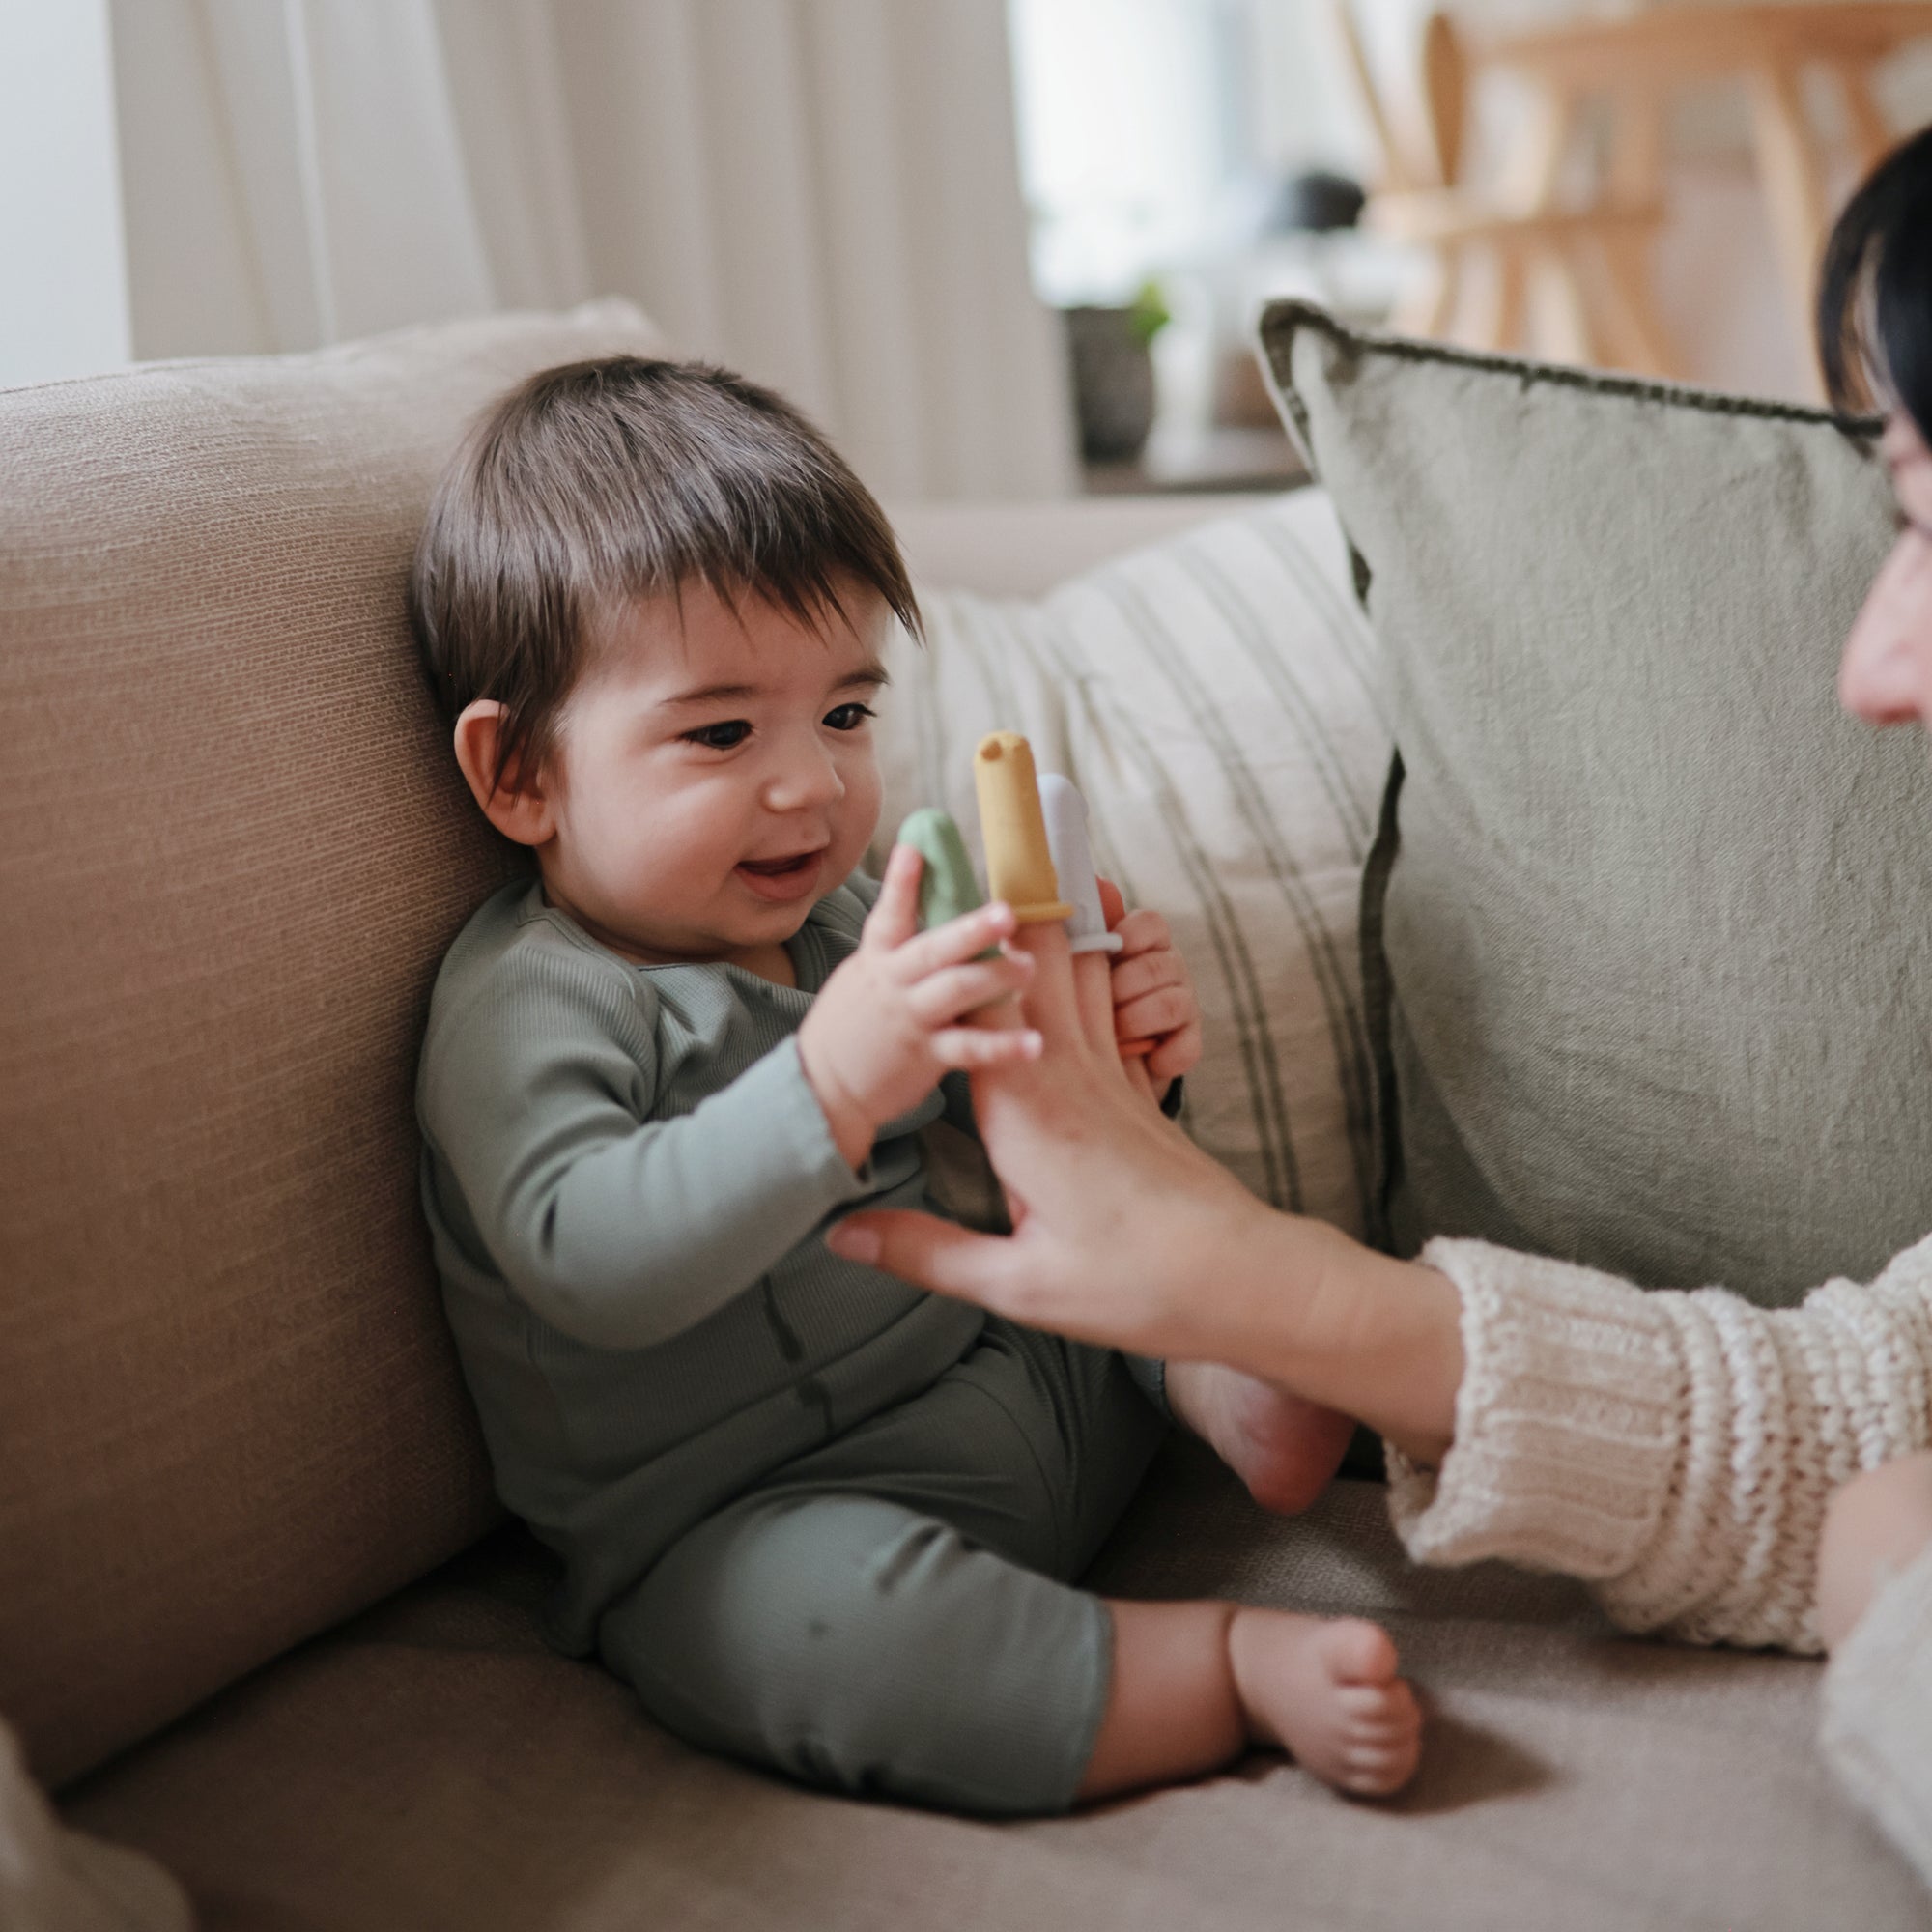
point(946, 886)
point(1019, 864)
point(1065, 813)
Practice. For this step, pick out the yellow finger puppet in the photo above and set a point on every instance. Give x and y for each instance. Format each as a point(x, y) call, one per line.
point(1019, 864)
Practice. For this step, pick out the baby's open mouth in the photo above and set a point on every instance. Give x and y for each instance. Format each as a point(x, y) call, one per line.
point(780, 868)
point(788, 878)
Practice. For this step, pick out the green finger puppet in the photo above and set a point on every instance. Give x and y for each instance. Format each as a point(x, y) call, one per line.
point(946, 886)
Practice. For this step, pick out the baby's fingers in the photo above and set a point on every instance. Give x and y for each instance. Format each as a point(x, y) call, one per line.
point(1154, 1014)
point(967, 1048)
point(956, 990)
point(955, 942)
point(1143, 930)
point(895, 915)
point(1179, 1053)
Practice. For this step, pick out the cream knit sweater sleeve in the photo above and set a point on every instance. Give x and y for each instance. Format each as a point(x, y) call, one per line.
point(1675, 1449)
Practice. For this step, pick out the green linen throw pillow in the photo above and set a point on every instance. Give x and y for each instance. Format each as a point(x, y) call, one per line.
point(1645, 926)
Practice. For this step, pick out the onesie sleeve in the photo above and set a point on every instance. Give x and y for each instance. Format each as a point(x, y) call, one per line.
point(616, 1228)
point(1675, 1449)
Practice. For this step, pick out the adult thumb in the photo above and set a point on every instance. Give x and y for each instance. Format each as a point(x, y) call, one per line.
point(921, 1248)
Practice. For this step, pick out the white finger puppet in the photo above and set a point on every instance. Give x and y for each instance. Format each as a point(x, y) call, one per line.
point(1066, 814)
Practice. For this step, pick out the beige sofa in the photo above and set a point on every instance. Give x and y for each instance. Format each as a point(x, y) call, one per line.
point(259, 1616)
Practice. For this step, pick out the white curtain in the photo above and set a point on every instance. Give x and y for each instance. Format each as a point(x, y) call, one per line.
point(823, 193)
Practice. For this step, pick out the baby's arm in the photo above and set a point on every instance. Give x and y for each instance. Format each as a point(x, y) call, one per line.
point(623, 1231)
point(619, 1230)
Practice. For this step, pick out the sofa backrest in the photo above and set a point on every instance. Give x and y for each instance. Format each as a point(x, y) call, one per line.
point(233, 847)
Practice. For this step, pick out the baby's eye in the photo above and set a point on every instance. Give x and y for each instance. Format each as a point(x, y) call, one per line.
point(723, 737)
point(849, 716)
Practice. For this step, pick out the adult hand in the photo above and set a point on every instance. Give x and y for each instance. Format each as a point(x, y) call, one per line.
point(1126, 1233)
point(1123, 1231)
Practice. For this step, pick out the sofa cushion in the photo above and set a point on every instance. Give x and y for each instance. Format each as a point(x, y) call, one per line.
point(235, 846)
point(1211, 695)
point(1646, 923)
point(430, 1767)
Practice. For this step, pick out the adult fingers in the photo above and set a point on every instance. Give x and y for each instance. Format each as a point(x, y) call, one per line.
point(922, 1248)
point(895, 915)
point(1093, 988)
point(968, 1047)
point(1050, 1002)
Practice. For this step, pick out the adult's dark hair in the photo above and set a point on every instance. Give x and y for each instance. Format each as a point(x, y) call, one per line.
point(600, 482)
point(1875, 293)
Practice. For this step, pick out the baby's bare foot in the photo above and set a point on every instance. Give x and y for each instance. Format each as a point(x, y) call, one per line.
point(1325, 1690)
point(1282, 1448)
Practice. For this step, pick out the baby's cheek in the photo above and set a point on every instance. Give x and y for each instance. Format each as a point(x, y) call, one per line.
point(865, 794)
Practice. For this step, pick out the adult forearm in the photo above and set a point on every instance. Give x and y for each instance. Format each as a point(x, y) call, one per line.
point(1378, 1339)
point(1675, 1449)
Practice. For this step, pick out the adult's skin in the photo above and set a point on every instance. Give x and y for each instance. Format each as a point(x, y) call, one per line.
point(1128, 1234)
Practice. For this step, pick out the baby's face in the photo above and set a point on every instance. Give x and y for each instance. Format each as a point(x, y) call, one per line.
point(714, 775)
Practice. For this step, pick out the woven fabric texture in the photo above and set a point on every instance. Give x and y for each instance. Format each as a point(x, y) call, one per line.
point(431, 1767)
point(236, 847)
point(1646, 926)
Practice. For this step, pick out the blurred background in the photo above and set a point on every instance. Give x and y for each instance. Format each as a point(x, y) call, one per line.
point(1002, 249)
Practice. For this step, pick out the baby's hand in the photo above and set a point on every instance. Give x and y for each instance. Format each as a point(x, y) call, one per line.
point(1153, 996)
point(887, 1024)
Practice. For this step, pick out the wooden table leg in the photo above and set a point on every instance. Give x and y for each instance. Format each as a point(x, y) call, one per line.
point(1502, 328)
point(1559, 310)
point(1534, 172)
point(1635, 180)
point(1427, 309)
point(1788, 172)
point(1871, 138)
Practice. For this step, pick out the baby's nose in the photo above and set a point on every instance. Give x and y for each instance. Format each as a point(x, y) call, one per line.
point(810, 779)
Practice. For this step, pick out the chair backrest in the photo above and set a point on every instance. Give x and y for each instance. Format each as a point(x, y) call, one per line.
point(234, 849)
point(1419, 129)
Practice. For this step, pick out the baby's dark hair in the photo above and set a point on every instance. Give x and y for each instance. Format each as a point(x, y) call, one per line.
point(1875, 289)
point(600, 482)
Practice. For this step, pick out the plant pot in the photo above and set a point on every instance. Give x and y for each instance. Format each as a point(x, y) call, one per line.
point(1113, 383)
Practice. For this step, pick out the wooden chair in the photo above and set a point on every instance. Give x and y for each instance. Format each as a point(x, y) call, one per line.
point(1635, 62)
point(1512, 266)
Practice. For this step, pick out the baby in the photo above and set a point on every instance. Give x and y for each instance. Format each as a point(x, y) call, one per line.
point(819, 1519)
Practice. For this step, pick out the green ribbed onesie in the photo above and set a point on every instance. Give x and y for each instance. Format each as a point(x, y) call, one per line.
point(818, 1518)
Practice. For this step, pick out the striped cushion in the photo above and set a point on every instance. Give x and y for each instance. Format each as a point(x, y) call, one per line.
point(1212, 697)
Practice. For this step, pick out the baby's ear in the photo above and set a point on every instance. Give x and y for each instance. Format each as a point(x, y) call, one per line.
point(515, 804)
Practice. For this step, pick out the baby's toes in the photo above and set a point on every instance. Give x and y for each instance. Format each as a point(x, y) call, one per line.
point(1377, 1770)
point(1359, 1655)
point(1368, 1704)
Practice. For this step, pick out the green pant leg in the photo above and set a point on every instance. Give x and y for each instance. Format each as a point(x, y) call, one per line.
point(1097, 1415)
point(892, 1614)
point(862, 1646)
